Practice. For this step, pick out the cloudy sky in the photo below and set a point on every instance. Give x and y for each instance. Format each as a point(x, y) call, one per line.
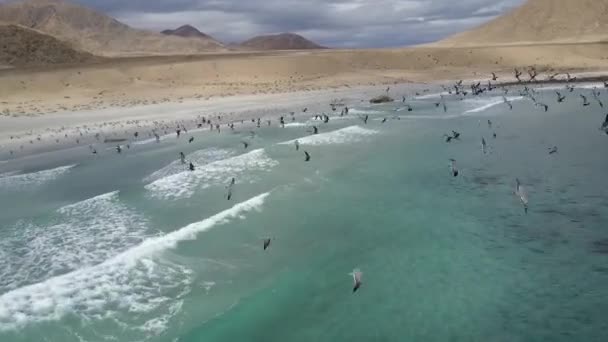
point(334, 23)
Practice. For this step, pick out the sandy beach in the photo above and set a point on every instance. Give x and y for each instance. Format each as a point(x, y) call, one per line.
point(120, 96)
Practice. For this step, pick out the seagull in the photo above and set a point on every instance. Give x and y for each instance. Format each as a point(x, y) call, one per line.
point(494, 78)
point(190, 140)
point(553, 150)
point(306, 156)
point(605, 124)
point(315, 130)
point(384, 120)
point(504, 99)
point(570, 88)
point(570, 79)
point(543, 105)
point(229, 188)
point(267, 243)
point(585, 103)
point(118, 148)
point(357, 275)
point(521, 192)
point(456, 135)
point(483, 145)
point(560, 97)
point(453, 168)
point(517, 75)
point(533, 74)
point(245, 144)
point(448, 138)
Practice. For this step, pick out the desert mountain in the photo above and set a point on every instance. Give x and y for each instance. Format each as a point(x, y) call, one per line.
point(21, 46)
point(95, 32)
point(283, 41)
point(555, 21)
point(187, 31)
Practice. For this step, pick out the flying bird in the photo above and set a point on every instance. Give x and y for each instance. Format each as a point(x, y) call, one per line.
point(357, 275)
point(521, 192)
point(517, 75)
point(553, 150)
point(504, 99)
point(306, 156)
point(266, 243)
point(494, 77)
point(546, 108)
point(484, 146)
point(453, 168)
point(560, 97)
point(585, 102)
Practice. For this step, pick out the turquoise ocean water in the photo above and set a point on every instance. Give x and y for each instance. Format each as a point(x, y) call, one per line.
point(133, 247)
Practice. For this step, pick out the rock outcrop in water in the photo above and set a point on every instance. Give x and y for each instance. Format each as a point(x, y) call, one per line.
point(381, 99)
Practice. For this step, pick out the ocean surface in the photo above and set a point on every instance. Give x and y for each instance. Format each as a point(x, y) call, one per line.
point(134, 247)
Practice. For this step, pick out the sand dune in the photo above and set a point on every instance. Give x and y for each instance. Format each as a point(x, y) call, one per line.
point(556, 21)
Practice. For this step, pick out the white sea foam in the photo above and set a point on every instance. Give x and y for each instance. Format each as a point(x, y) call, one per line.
point(83, 234)
point(431, 96)
point(198, 158)
point(340, 136)
point(184, 184)
point(484, 104)
point(362, 111)
point(124, 288)
point(295, 124)
point(34, 178)
point(7, 174)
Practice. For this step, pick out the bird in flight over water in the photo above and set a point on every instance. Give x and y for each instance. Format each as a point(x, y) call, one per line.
point(357, 275)
point(453, 168)
point(521, 192)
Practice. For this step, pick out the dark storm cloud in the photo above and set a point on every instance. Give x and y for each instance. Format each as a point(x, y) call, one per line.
point(339, 23)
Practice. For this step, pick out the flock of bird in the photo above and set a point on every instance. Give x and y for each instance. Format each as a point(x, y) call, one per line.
point(529, 93)
point(458, 89)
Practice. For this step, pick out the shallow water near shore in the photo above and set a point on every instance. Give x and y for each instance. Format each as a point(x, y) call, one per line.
point(133, 247)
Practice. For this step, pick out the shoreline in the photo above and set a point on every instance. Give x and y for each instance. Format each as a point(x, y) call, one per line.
point(122, 122)
point(47, 133)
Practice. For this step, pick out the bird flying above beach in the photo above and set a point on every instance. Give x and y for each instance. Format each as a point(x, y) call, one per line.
point(504, 99)
point(521, 192)
point(585, 102)
point(306, 156)
point(190, 140)
point(245, 144)
point(517, 75)
point(484, 146)
point(494, 77)
point(357, 282)
point(560, 97)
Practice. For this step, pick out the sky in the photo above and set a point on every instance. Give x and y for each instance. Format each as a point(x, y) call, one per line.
point(333, 23)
